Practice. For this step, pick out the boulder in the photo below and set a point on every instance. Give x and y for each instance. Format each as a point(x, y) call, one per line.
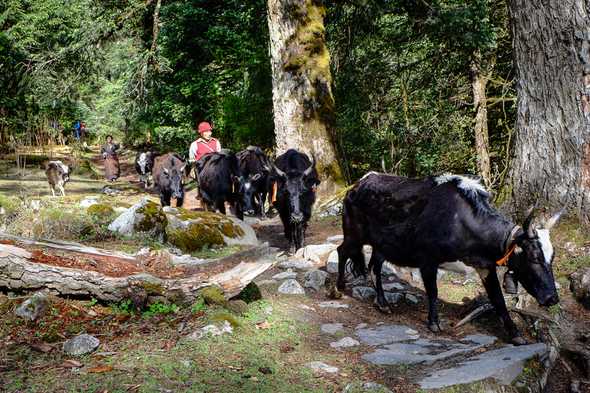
point(332, 263)
point(88, 201)
point(285, 275)
point(315, 279)
point(145, 216)
point(335, 239)
point(345, 342)
point(291, 287)
point(81, 345)
point(191, 230)
point(333, 304)
point(580, 286)
point(393, 297)
point(363, 293)
point(299, 264)
point(34, 307)
point(315, 252)
point(212, 330)
point(320, 367)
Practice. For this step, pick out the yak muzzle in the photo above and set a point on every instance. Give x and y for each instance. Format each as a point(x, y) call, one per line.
point(550, 300)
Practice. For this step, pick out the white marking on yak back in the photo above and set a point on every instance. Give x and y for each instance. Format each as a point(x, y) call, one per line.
point(368, 174)
point(465, 183)
point(247, 186)
point(545, 244)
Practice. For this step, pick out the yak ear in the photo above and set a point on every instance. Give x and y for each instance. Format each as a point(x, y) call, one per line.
point(308, 171)
point(528, 222)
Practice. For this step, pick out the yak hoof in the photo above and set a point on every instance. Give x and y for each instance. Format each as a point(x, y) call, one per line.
point(434, 327)
point(382, 306)
point(518, 340)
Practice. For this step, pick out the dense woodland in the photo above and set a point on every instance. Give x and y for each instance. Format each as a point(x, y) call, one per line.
point(415, 87)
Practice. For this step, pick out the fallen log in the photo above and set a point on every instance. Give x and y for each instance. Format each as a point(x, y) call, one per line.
point(19, 270)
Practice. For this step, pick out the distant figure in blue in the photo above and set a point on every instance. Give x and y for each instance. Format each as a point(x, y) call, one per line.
point(77, 130)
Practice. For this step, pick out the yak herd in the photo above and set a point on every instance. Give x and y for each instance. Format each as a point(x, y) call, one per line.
point(420, 223)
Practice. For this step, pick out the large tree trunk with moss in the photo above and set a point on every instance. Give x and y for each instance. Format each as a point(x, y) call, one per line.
point(552, 147)
point(478, 84)
point(302, 92)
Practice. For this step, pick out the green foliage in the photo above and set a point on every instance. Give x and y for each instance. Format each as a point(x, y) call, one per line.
point(125, 307)
point(250, 293)
point(199, 305)
point(160, 309)
point(213, 296)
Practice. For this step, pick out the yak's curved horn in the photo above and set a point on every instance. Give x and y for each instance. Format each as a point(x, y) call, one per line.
point(307, 172)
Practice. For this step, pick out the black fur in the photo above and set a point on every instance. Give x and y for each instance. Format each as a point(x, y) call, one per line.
point(255, 169)
point(295, 195)
point(421, 223)
point(168, 172)
point(219, 182)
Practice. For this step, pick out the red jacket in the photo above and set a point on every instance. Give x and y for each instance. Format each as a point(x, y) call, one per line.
point(204, 147)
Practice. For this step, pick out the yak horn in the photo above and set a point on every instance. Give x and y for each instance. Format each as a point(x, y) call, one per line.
point(307, 172)
point(279, 172)
point(553, 220)
point(528, 222)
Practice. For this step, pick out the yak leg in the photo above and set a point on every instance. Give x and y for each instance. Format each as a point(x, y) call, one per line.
point(179, 202)
point(492, 286)
point(355, 253)
point(428, 273)
point(220, 206)
point(165, 198)
point(63, 190)
point(262, 203)
point(376, 262)
point(52, 190)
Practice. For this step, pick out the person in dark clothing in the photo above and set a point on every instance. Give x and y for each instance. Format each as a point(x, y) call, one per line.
point(111, 161)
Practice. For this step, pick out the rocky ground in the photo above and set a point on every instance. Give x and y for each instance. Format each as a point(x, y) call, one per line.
point(301, 336)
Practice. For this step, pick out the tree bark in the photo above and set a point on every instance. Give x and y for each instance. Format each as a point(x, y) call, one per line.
point(482, 145)
point(19, 271)
point(551, 161)
point(302, 93)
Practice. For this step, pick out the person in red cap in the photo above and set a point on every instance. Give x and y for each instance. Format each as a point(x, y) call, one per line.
point(203, 145)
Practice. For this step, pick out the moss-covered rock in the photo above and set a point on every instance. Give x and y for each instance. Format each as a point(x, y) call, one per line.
point(150, 218)
point(100, 210)
point(192, 231)
point(213, 295)
point(250, 293)
point(221, 316)
point(238, 307)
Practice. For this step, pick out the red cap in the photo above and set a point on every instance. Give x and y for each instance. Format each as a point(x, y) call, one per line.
point(204, 126)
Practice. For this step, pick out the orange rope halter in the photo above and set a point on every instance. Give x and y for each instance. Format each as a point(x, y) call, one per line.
point(504, 260)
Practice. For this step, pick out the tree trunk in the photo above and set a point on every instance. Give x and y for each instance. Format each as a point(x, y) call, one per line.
point(20, 269)
point(478, 85)
point(552, 151)
point(302, 92)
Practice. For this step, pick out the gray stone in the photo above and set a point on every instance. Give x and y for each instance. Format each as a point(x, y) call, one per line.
point(291, 287)
point(34, 307)
point(345, 342)
point(503, 364)
point(315, 252)
point(212, 330)
point(81, 345)
point(315, 279)
point(335, 239)
point(333, 304)
point(322, 367)
point(412, 298)
point(88, 201)
point(363, 293)
point(458, 267)
point(331, 328)
point(393, 286)
point(332, 263)
point(364, 387)
point(299, 264)
point(125, 223)
point(386, 334)
point(416, 276)
point(580, 286)
point(426, 351)
point(285, 275)
point(393, 297)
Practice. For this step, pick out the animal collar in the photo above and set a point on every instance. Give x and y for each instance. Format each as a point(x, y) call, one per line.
point(511, 246)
